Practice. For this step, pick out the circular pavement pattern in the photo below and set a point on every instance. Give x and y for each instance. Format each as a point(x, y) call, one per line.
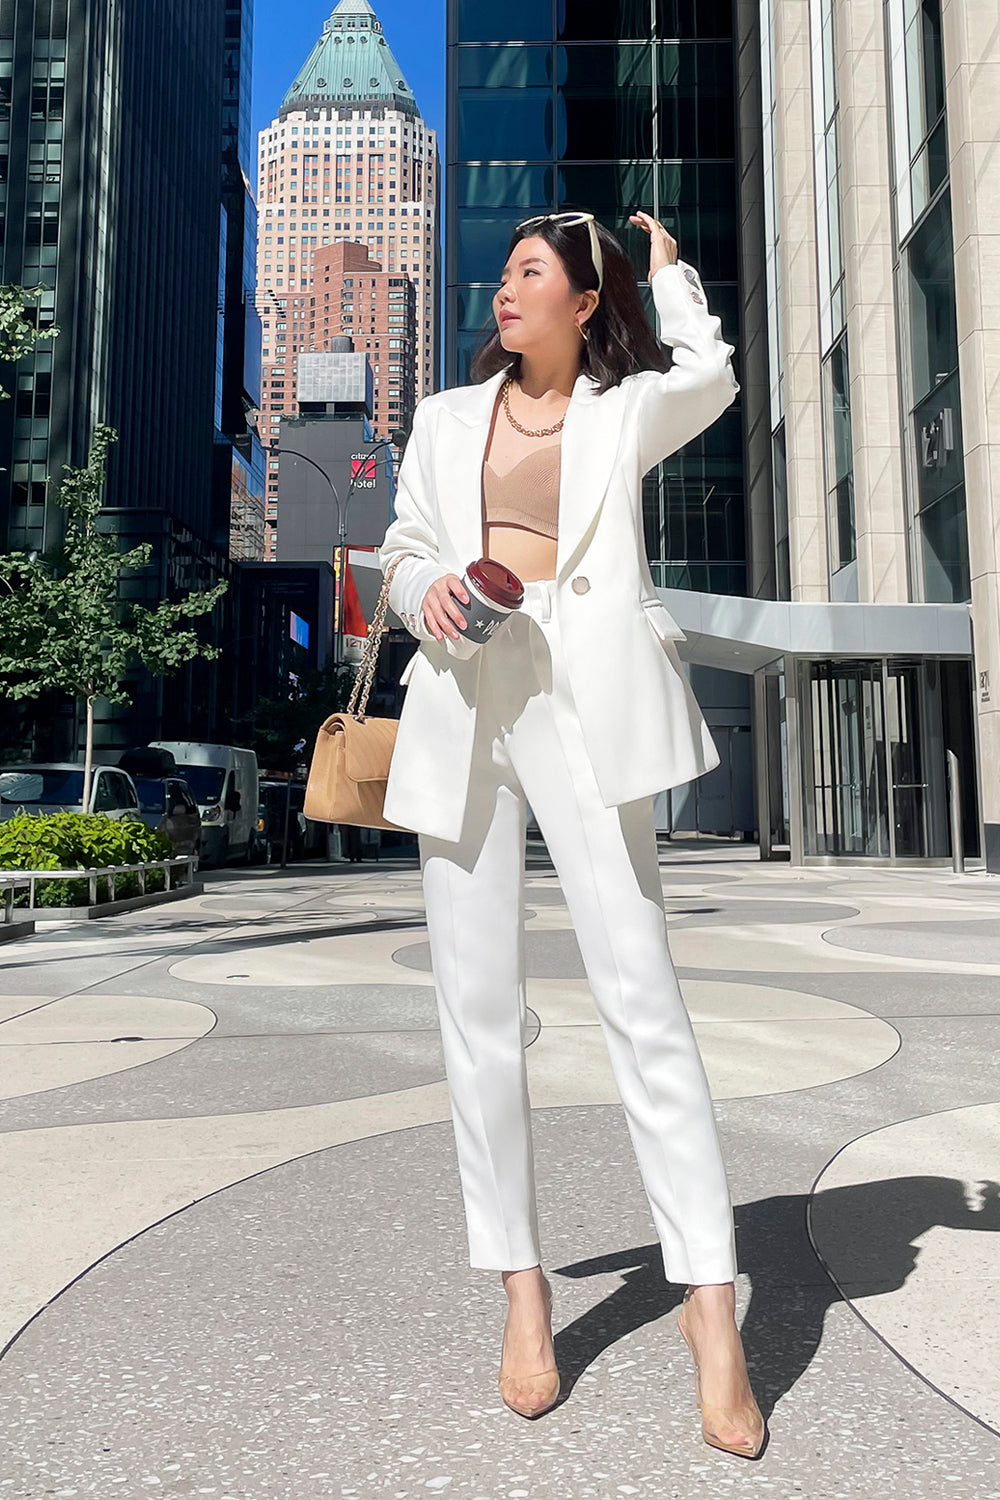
point(907, 1219)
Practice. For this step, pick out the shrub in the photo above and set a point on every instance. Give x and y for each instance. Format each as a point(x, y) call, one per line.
point(80, 841)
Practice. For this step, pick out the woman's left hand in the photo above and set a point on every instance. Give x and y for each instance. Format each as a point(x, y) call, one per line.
point(662, 248)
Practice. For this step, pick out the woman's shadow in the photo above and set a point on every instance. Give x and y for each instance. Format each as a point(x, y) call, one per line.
point(864, 1234)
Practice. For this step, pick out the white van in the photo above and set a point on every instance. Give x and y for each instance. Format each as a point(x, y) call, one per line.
point(224, 781)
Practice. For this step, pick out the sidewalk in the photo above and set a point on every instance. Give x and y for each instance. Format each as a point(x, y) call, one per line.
point(234, 1251)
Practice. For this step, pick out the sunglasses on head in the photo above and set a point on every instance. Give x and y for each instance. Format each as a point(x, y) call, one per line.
point(569, 218)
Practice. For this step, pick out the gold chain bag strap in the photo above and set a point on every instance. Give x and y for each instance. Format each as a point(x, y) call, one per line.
point(352, 754)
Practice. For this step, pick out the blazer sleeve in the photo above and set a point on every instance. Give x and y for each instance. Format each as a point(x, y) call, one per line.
point(410, 535)
point(677, 404)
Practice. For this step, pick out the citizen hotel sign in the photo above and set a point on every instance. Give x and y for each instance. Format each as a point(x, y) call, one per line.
point(364, 471)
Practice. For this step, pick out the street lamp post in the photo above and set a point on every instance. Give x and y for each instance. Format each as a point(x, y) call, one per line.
point(398, 437)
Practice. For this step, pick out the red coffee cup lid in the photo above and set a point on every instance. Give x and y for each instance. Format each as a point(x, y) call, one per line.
point(496, 582)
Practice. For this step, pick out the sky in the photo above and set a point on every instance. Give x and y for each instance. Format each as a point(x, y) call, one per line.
point(285, 31)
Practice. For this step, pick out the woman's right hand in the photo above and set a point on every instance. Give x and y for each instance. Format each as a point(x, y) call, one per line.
point(441, 612)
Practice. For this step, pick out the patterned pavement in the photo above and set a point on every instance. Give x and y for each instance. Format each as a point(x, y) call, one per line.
point(233, 1245)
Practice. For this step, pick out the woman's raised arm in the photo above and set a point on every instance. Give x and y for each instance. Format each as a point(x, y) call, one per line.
point(677, 404)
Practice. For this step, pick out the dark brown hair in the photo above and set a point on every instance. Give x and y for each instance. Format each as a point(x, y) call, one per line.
point(620, 341)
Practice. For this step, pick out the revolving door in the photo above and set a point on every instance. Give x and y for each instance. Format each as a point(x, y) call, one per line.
point(873, 733)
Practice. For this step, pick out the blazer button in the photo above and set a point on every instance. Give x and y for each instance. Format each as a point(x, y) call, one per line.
point(581, 585)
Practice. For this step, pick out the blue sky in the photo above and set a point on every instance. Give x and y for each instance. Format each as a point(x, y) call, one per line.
point(285, 30)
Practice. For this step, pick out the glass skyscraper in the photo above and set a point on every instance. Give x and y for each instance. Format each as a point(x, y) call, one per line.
point(610, 108)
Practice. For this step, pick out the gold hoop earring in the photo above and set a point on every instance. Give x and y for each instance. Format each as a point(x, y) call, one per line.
point(583, 330)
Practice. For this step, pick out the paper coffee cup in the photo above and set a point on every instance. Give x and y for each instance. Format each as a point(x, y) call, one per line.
point(494, 593)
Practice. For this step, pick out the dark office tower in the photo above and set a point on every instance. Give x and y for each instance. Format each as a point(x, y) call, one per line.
point(612, 108)
point(124, 143)
point(112, 200)
point(240, 466)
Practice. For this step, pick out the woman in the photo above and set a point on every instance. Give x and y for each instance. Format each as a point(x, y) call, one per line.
point(579, 706)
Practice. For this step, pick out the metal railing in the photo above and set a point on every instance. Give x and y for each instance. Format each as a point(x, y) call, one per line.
point(12, 880)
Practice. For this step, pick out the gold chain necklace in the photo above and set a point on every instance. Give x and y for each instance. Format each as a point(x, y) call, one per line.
point(542, 431)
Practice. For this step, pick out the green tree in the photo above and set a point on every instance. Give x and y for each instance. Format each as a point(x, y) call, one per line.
point(62, 624)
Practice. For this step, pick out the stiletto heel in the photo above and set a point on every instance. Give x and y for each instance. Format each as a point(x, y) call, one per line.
point(542, 1390)
point(714, 1418)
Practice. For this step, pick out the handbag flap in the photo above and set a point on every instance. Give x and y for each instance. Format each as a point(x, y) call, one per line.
point(368, 745)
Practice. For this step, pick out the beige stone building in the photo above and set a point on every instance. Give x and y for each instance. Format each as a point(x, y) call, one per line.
point(347, 162)
point(870, 208)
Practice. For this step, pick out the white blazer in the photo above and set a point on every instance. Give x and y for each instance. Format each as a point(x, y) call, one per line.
point(640, 719)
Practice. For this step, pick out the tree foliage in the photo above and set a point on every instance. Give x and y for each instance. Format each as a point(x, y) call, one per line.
point(19, 332)
point(63, 624)
point(79, 841)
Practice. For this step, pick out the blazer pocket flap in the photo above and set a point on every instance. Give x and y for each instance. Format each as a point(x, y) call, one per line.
point(662, 621)
point(407, 671)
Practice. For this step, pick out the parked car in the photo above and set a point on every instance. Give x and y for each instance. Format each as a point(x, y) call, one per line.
point(166, 804)
point(165, 800)
point(306, 837)
point(57, 786)
point(225, 784)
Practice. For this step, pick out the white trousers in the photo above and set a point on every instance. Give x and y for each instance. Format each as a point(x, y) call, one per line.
point(529, 748)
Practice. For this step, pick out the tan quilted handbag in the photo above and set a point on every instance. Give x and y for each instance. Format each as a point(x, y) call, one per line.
point(351, 757)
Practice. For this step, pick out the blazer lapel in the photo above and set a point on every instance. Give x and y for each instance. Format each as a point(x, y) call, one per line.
point(590, 436)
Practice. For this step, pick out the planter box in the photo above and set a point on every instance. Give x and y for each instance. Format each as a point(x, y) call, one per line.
point(108, 908)
point(11, 880)
point(11, 930)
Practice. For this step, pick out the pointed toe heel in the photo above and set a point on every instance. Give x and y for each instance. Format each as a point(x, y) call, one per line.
point(529, 1395)
point(540, 1392)
point(717, 1421)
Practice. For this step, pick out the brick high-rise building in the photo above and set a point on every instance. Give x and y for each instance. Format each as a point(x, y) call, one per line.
point(348, 188)
point(354, 296)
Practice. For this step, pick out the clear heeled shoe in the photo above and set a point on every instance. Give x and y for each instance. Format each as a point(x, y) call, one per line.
point(746, 1419)
point(541, 1390)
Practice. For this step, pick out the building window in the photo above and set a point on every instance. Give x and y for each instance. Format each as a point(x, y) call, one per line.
point(916, 73)
point(826, 162)
point(839, 456)
point(936, 414)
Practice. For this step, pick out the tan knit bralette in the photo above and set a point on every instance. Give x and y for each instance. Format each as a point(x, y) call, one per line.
point(528, 494)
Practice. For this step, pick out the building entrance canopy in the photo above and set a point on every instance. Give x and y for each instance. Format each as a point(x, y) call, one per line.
point(743, 635)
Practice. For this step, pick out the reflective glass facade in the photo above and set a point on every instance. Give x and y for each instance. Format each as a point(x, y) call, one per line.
point(838, 452)
point(936, 410)
point(110, 123)
point(839, 456)
point(926, 301)
point(609, 108)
